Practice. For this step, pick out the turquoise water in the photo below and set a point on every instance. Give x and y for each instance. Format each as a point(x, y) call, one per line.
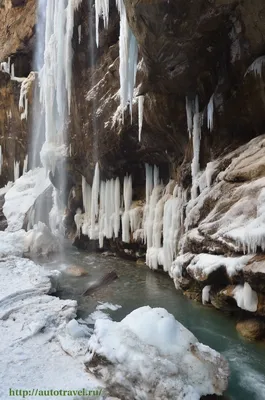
point(138, 286)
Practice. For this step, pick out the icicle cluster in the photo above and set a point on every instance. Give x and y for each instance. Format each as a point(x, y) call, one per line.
point(128, 50)
point(256, 67)
point(102, 206)
point(16, 170)
point(140, 114)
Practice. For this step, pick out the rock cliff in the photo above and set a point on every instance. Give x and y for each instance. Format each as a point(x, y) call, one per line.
point(208, 55)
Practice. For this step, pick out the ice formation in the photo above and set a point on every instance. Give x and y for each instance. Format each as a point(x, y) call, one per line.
point(173, 364)
point(25, 165)
point(206, 294)
point(6, 66)
point(79, 33)
point(41, 241)
point(140, 114)
point(16, 170)
point(256, 67)
point(23, 98)
point(56, 74)
point(128, 50)
point(127, 196)
point(210, 111)
point(245, 297)
point(195, 165)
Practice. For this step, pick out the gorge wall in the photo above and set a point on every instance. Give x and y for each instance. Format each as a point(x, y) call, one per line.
point(209, 53)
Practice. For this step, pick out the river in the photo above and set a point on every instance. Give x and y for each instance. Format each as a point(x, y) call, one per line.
point(138, 286)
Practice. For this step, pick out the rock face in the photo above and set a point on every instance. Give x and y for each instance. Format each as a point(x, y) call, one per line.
point(153, 339)
point(204, 53)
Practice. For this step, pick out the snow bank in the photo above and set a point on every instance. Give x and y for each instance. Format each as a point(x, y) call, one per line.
point(151, 355)
point(22, 196)
point(38, 334)
point(12, 243)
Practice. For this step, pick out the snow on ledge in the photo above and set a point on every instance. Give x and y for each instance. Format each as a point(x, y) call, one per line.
point(204, 264)
point(151, 355)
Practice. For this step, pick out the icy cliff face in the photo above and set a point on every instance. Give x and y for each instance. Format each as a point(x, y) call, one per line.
point(200, 88)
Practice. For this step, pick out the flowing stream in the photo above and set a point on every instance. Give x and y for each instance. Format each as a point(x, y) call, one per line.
point(138, 286)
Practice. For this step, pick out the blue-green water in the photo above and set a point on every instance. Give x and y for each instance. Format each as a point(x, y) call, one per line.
point(138, 286)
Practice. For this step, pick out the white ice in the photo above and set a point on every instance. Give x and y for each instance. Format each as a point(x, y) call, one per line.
point(153, 349)
point(245, 297)
point(22, 195)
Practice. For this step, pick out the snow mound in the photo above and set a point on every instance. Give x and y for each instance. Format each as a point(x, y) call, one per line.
point(41, 241)
point(151, 355)
point(34, 331)
point(12, 243)
point(22, 195)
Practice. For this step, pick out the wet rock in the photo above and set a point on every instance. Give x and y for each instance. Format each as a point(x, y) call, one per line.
point(75, 270)
point(105, 280)
point(252, 329)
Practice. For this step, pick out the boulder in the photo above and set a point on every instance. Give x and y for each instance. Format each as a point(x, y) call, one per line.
point(252, 329)
point(150, 354)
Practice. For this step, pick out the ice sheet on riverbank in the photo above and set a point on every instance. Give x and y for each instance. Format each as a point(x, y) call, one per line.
point(32, 325)
point(150, 354)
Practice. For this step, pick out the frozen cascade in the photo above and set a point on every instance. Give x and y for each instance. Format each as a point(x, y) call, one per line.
point(149, 182)
point(210, 111)
point(101, 10)
point(127, 48)
point(206, 294)
point(117, 201)
point(127, 196)
point(140, 114)
point(195, 165)
point(55, 76)
point(94, 201)
point(16, 170)
point(25, 165)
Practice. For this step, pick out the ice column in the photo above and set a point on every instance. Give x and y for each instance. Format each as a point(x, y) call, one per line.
point(127, 196)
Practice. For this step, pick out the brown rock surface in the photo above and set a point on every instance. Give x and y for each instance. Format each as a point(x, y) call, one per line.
point(252, 329)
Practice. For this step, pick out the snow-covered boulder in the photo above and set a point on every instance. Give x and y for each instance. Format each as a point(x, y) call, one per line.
point(150, 355)
point(12, 243)
point(41, 241)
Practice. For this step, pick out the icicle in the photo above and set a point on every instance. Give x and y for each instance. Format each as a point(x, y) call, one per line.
point(12, 71)
point(195, 165)
point(102, 214)
point(101, 9)
point(25, 165)
point(79, 219)
point(79, 33)
point(156, 176)
point(140, 114)
point(256, 67)
point(206, 294)
point(189, 113)
point(117, 208)
point(94, 201)
point(1, 159)
point(210, 111)
point(16, 170)
point(127, 196)
point(149, 182)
